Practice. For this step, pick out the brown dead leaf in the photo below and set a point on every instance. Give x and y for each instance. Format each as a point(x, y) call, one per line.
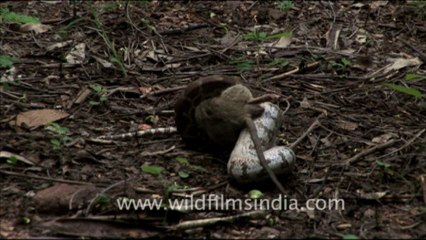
point(346, 125)
point(77, 55)
point(63, 196)
point(305, 103)
point(144, 126)
point(383, 138)
point(39, 117)
point(399, 63)
point(145, 90)
point(377, 4)
point(36, 27)
point(7, 155)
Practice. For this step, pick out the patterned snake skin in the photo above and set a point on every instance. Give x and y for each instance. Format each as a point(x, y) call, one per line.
point(243, 165)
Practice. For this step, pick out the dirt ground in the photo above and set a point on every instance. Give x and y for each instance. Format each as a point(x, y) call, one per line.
point(352, 72)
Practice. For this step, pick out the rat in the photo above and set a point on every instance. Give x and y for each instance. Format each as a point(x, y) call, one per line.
point(223, 117)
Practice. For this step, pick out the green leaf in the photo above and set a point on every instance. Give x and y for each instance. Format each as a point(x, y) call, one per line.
point(350, 237)
point(56, 128)
point(255, 36)
point(345, 61)
point(103, 199)
point(6, 87)
point(255, 194)
point(182, 161)
point(183, 174)
point(285, 5)
point(152, 169)
point(96, 87)
point(279, 61)
point(382, 164)
point(26, 220)
point(411, 76)
point(407, 90)
point(12, 17)
point(12, 160)
point(66, 139)
point(6, 61)
point(103, 98)
point(56, 144)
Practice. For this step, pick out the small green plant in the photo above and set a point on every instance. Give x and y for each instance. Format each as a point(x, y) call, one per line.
point(101, 94)
point(256, 36)
point(103, 200)
point(150, 119)
point(280, 62)
point(341, 64)
point(152, 169)
point(6, 61)
point(285, 5)
point(242, 63)
point(414, 76)
point(26, 220)
point(263, 36)
point(185, 163)
point(350, 237)
point(24, 98)
point(114, 56)
point(12, 160)
point(383, 164)
point(61, 134)
point(12, 17)
point(419, 8)
point(109, 6)
point(407, 90)
point(255, 194)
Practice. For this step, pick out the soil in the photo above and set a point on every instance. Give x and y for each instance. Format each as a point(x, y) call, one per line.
point(352, 71)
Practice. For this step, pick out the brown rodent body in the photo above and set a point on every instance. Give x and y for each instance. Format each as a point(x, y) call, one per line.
point(223, 117)
point(212, 111)
point(217, 109)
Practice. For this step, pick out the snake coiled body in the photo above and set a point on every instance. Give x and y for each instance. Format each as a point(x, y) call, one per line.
point(244, 165)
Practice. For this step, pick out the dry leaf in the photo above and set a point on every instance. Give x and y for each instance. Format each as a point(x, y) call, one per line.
point(36, 27)
point(305, 103)
point(229, 38)
point(145, 90)
point(383, 138)
point(6, 154)
point(377, 4)
point(9, 75)
point(283, 42)
point(399, 63)
point(40, 117)
point(77, 54)
point(144, 126)
point(58, 45)
point(346, 125)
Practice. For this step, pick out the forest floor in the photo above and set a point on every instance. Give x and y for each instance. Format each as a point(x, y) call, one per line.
point(352, 71)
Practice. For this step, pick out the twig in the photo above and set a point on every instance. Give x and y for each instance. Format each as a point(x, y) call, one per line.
point(422, 55)
point(408, 143)
point(368, 151)
point(45, 178)
point(167, 90)
point(92, 201)
point(261, 155)
point(314, 125)
point(210, 221)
